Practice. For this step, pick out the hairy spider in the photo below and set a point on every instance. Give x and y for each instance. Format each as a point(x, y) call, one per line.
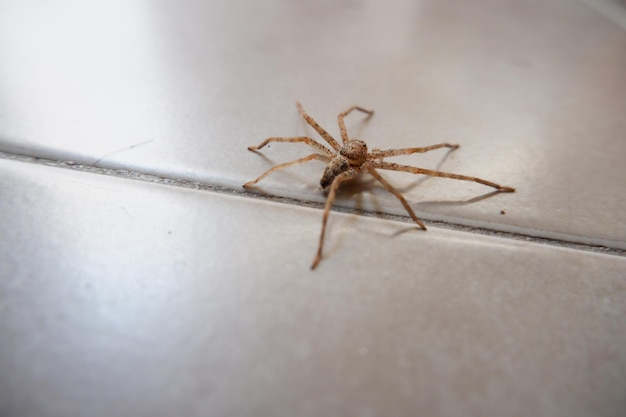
point(352, 159)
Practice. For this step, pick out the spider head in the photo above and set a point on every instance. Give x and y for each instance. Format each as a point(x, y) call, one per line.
point(355, 151)
point(335, 167)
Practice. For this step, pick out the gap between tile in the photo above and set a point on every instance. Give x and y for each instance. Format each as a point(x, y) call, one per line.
point(560, 240)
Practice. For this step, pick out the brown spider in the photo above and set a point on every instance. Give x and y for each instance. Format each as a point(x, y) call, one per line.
point(352, 159)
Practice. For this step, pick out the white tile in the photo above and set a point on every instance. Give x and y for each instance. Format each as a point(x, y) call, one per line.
point(534, 91)
point(123, 298)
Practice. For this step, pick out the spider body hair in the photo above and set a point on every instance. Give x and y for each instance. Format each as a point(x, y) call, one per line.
point(351, 156)
point(351, 159)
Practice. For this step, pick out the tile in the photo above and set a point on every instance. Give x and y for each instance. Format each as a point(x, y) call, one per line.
point(122, 297)
point(612, 10)
point(181, 91)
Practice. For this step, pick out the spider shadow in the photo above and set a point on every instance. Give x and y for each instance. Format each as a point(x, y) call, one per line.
point(439, 203)
point(354, 190)
point(404, 230)
point(425, 178)
point(376, 211)
point(450, 203)
point(293, 174)
point(342, 227)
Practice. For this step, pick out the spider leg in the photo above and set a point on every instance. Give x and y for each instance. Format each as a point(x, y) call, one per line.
point(311, 157)
point(379, 154)
point(331, 141)
point(415, 170)
point(395, 192)
point(302, 139)
point(342, 125)
point(329, 202)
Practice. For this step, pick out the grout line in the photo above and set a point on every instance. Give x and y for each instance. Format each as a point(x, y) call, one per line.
point(196, 185)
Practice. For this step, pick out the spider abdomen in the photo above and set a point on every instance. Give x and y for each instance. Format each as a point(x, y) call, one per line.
point(335, 167)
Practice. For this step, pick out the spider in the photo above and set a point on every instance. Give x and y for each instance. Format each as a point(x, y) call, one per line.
point(352, 159)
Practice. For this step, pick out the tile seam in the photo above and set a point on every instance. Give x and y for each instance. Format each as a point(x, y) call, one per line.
point(196, 185)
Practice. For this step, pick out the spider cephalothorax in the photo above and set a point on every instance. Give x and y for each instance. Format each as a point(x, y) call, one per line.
point(351, 155)
point(352, 159)
point(355, 151)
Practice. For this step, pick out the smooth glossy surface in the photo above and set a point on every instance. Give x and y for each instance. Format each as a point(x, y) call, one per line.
point(131, 298)
point(123, 298)
point(181, 90)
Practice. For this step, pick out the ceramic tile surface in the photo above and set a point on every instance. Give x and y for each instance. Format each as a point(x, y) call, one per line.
point(124, 297)
point(121, 297)
point(534, 91)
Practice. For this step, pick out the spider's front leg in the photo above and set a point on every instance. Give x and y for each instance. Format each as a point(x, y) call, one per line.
point(415, 170)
